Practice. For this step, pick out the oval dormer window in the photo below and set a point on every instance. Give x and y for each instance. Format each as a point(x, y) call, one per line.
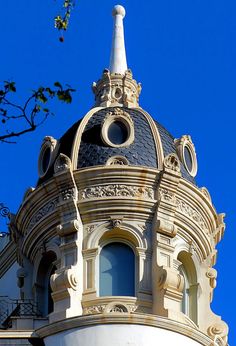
point(47, 153)
point(117, 129)
point(117, 132)
point(46, 159)
point(188, 158)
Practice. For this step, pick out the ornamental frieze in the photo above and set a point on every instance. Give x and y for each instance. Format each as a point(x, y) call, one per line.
point(184, 208)
point(49, 207)
point(42, 212)
point(117, 190)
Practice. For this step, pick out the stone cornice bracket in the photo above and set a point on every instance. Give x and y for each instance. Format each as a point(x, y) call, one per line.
point(168, 185)
point(115, 89)
point(218, 331)
point(166, 228)
point(67, 228)
point(219, 232)
point(171, 281)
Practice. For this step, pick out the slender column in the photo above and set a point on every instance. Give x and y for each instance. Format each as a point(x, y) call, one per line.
point(118, 63)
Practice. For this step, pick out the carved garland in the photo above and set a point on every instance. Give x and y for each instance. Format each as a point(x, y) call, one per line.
point(117, 190)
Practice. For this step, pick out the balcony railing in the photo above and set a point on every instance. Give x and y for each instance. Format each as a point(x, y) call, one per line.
point(16, 308)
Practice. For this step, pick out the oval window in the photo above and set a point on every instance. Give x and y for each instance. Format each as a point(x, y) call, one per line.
point(117, 132)
point(188, 159)
point(46, 159)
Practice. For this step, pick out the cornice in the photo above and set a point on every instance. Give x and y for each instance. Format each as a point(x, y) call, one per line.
point(125, 318)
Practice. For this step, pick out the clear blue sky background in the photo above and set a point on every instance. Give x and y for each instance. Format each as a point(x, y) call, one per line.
point(183, 52)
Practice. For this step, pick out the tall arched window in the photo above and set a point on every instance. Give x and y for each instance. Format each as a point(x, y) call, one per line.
point(188, 271)
point(43, 290)
point(117, 270)
point(185, 299)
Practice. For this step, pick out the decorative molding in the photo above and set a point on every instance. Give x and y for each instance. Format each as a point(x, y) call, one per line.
point(95, 309)
point(120, 115)
point(117, 161)
point(116, 89)
point(63, 163)
point(171, 162)
point(219, 329)
point(184, 208)
point(49, 207)
point(212, 275)
point(206, 193)
point(42, 212)
point(68, 194)
point(117, 190)
point(137, 319)
point(116, 223)
point(90, 229)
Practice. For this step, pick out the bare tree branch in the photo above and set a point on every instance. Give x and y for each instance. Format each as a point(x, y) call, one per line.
point(33, 112)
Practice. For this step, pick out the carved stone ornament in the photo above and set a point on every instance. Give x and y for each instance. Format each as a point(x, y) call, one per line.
point(68, 194)
point(49, 207)
point(184, 208)
point(95, 309)
point(116, 223)
point(171, 162)
point(114, 88)
point(171, 279)
point(120, 115)
point(64, 279)
point(63, 163)
point(212, 275)
point(42, 212)
point(117, 190)
point(219, 332)
point(118, 308)
point(117, 161)
point(90, 229)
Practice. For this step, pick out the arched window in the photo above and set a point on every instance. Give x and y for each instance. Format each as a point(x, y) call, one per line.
point(185, 299)
point(43, 289)
point(117, 270)
point(188, 271)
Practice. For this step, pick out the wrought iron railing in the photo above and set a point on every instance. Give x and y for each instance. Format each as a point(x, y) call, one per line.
point(16, 308)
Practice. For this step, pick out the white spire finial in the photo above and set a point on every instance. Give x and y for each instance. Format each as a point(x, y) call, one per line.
point(118, 63)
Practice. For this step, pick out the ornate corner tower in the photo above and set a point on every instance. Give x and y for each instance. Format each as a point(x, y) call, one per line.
point(117, 242)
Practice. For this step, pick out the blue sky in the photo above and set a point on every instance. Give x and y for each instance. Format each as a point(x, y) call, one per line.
point(183, 52)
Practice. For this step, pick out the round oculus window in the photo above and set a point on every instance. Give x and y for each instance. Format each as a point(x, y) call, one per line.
point(46, 159)
point(117, 132)
point(188, 158)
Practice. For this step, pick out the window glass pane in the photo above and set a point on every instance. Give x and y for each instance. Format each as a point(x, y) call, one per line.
point(117, 132)
point(116, 270)
point(46, 159)
point(188, 158)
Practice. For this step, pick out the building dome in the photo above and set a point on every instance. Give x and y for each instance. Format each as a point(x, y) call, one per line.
point(134, 141)
point(117, 243)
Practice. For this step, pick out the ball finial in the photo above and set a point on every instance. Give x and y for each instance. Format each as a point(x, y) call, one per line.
point(118, 10)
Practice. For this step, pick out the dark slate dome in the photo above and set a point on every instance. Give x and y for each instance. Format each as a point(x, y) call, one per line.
point(94, 152)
